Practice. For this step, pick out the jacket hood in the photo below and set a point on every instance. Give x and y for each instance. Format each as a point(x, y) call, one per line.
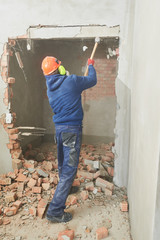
point(54, 81)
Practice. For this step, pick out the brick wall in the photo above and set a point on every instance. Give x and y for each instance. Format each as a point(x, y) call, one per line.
point(106, 74)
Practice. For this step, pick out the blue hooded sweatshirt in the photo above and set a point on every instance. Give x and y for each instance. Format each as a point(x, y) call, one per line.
point(64, 94)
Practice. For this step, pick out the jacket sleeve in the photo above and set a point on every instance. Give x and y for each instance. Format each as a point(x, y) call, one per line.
point(89, 81)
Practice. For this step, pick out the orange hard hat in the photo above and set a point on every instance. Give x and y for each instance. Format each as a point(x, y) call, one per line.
point(50, 64)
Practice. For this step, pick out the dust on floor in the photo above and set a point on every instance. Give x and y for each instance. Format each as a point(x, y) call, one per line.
point(99, 210)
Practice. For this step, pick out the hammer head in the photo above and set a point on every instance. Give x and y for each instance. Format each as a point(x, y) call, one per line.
point(97, 40)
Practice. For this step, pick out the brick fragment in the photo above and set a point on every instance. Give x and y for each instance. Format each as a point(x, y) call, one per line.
point(32, 182)
point(41, 207)
point(48, 166)
point(20, 187)
point(67, 233)
point(13, 186)
point(110, 154)
point(76, 183)
point(1, 221)
point(36, 189)
point(11, 175)
point(33, 211)
point(46, 186)
point(6, 221)
point(9, 145)
point(5, 181)
point(13, 130)
point(104, 184)
point(71, 200)
point(89, 186)
point(101, 233)
point(11, 80)
point(10, 197)
point(108, 192)
point(97, 174)
point(17, 204)
point(85, 174)
point(10, 211)
point(84, 195)
point(30, 164)
point(21, 178)
point(124, 206)
point(16, 153)
point(16, 164)
point(13, 136)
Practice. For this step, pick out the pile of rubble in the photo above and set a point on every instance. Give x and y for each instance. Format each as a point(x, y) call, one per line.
point(31, 186)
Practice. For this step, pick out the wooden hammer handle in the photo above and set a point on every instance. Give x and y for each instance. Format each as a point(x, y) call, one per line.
point(91, 57)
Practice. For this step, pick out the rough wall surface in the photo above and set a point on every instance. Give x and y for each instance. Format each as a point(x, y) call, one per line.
point(143, 184)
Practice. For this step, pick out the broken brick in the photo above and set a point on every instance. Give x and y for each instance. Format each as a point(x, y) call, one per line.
point(46, 186)
point(20, 187)
point(16, 164)
point(84, 195)
point(110, 171)
point(104, 184)
point(97, 174)
point(76, 183)
point(41, 207)
point(33, 211)
point(32, 182)
point(10, 211)
point(89, 186)
point(66, 233)
point(6, 221)
point(11, 175)
point(16, 153)
point(47, 165)
point(71, 200)
point(10, 197)
point(21, 178)
point(101, 233)
point(11, 80)
point(36, 189)
point(85, 175)
point(1, 221)
point(17, 204)
point(108, 192)
point(5, 181)
point(124, 206)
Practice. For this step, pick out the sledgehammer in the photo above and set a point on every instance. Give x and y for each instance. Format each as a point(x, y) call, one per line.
point(97, 41)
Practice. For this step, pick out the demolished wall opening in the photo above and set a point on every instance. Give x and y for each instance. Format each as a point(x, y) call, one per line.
point(28, 101)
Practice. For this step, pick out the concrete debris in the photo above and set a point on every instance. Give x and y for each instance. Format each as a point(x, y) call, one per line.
point(28, 190)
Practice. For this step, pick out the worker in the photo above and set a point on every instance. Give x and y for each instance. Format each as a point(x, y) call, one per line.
point(64, 94)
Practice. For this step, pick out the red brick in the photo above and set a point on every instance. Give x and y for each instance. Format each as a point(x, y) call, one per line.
point(76, 183)
point(106, 159)
point(5, 181)
point(101, 233)
point(17, 204)
point(30, 164)
point(85, 175)
point(11, 175)
point(9, 146)
point(124, 206)
point(10, 197)
point(89, 186)
point(33, 211)
point(110, 171)
point(13, 130)
point(97, 174)
point(84, 195)
point(32, 182)
point(16, 145)
point(13, 186)
point(41, 207)
point(66, 233)
point(21, 178)
point(10, 211)
point(36, 189)
point(13, 136)
point(46, 186)
point(104, 184)
point(110, 154)
point(11, 80)
point(47, 165)
point(108, 192)
point(16, 164)
point(39, 182)
point(6, 221)
point(1, 221)
point(20, 187)
point(71, 200)
point(16, 153)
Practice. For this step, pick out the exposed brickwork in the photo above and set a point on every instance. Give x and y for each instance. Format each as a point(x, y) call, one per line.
point(106, 74)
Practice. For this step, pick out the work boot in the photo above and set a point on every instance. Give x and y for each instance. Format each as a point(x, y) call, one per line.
point(73, 189)
point(66, 217)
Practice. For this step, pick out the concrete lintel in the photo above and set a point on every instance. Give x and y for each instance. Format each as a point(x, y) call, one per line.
point(49, 32)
